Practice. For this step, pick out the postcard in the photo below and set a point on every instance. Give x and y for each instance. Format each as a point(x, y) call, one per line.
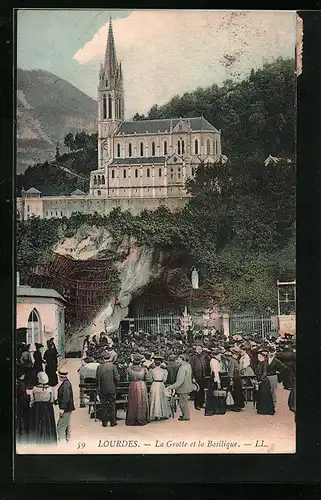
point(155, 236)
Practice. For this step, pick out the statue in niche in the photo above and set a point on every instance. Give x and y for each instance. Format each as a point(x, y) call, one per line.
point(195, 278)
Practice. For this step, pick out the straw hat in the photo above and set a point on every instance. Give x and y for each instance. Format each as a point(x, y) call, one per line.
point(169, 392)
point(195, 386)
point(63, 374)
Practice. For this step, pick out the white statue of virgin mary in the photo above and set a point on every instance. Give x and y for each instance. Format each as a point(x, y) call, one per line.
point(195, 279)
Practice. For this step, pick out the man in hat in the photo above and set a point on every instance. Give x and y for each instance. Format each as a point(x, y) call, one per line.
point(66, 406)
point(198, 364)
point(108, 378)
point(274, 366)
point(235, 380)
point(183, 385)
point(37, 359)
point(172, 369)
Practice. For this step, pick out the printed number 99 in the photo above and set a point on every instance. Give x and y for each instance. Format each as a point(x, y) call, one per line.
point(81, 446)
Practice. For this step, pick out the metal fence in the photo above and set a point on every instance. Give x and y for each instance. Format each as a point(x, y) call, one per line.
point(150, 324)
point(264, 327)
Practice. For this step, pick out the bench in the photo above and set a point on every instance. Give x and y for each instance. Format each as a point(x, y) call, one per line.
point(91, 390)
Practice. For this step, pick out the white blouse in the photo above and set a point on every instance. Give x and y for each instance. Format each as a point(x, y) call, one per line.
point(42, 394)
point(215, 369)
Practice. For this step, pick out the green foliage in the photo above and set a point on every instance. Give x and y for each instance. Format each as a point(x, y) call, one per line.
point(256, 116)
point(51, 178)
point(238, 229)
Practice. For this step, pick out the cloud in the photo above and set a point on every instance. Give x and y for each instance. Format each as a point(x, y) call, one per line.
point(169, 52)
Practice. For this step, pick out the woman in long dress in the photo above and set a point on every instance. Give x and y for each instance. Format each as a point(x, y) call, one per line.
point(158, 403)
point(37, 360)
point(215, 403)
point(263, 396)
point(42, 417)
point(27, 367)
point(51, 360)
point(23, 409)
point(137, 409)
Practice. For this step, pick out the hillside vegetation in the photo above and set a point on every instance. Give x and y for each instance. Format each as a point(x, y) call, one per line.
point(239, 226)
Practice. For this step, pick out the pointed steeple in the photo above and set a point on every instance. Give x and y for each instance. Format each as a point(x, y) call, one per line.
point(110, 54)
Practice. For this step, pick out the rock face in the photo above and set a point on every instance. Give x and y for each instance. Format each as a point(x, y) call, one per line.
point(48, 108)
point(137, 266)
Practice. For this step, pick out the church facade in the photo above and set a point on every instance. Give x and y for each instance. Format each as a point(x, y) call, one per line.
point(147, 158)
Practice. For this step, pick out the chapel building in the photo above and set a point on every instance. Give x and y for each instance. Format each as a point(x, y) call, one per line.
point(147, 158)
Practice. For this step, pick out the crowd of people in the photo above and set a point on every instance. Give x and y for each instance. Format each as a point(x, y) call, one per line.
point(40, 386)
point(216, 372)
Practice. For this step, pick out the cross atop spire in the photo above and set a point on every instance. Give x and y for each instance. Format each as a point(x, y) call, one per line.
point(110, 54)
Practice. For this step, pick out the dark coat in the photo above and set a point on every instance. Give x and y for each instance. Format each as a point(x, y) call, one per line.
point(198, 365)
point(172, 369)
point(107, 377)
point(66, 397)
point(37, 357)
point(275, 366)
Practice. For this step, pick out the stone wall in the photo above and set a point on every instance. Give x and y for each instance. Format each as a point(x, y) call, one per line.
point(64, 206)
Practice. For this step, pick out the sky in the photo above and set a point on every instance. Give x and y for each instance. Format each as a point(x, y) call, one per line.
point(163, 52)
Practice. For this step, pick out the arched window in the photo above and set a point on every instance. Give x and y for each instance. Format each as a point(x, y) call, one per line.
point(118, 150)
point(129, 149)
point(141, 149)
point(183, 147)
point(110, 112)
point(104, 107)
point(208, 147)
point(119, 108)
point(159, 172)
point(179, 147)
point(136, 172)
point(106, 83)
point(95, 179)
point(113, 174)
point(33, 327)
point(98, 192)
point(193, 171)
point(196, 146)
point(103, 179)
point(124, 173)
point(148, 172)
point(153, 149)
point(165, 148)
point(98, 179)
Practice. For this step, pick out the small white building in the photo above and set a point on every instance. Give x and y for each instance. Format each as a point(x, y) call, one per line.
point(40, 316)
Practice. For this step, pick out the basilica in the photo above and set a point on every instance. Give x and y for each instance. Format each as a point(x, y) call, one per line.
point(142, 165)
point(148, 158)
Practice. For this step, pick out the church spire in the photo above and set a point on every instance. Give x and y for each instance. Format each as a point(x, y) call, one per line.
point(110, 54)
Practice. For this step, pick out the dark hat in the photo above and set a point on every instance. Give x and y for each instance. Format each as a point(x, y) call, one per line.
point(158, 357)
point(137, 358)
point(37, 344)
point(63, 373)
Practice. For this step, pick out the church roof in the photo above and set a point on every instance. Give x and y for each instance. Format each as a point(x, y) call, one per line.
point(164, 125)
point(28, 291)
point(33, 191)
point(77, 192)
point(139, 161)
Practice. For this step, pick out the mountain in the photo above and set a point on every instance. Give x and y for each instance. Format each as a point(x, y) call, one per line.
point(48, 108)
